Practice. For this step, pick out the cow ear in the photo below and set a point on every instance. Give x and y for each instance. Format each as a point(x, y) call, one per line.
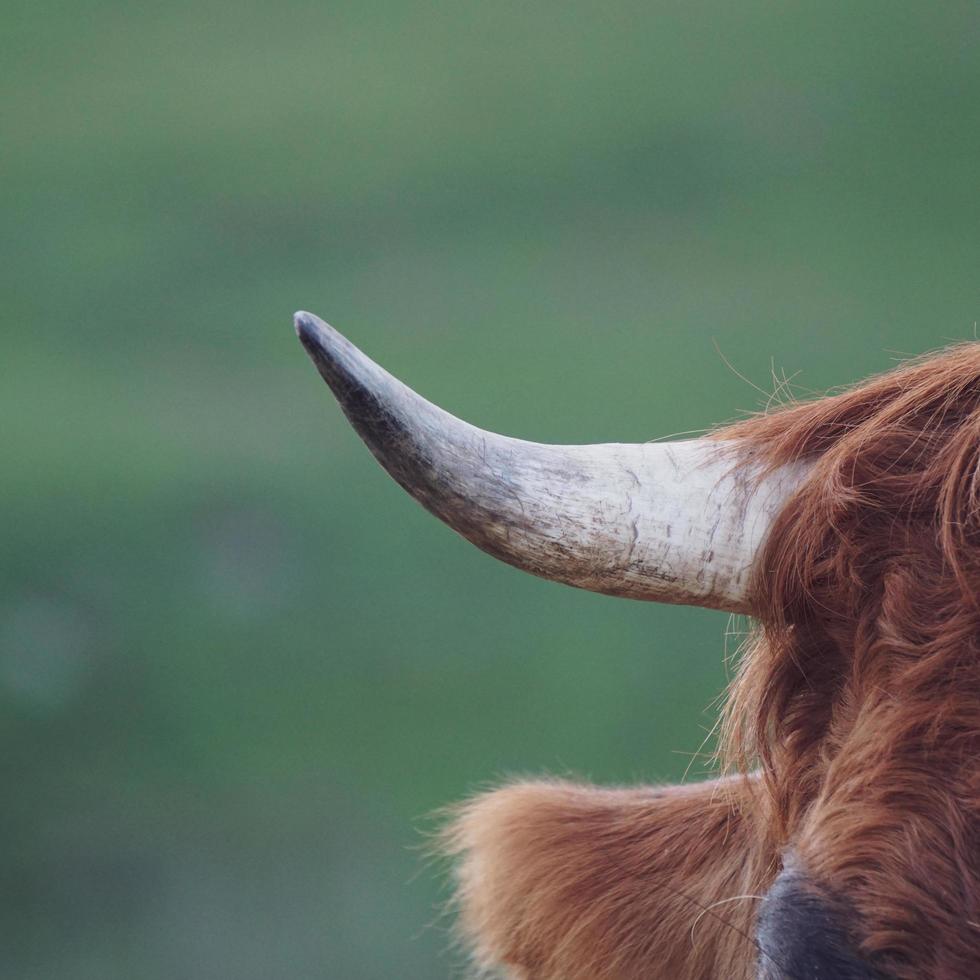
point(803, 933)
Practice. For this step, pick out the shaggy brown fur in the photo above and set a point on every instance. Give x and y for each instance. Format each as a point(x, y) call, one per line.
point(858, 701)
point(560, 880)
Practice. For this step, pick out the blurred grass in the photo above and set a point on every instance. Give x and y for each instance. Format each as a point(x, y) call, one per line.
point(237, 667)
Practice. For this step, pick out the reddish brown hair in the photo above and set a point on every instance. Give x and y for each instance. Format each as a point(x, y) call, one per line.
point(858, 700)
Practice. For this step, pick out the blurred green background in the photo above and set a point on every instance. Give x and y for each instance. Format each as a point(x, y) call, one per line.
point(239, 669)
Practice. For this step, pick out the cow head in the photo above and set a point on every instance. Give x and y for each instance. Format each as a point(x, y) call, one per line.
point(849, 528)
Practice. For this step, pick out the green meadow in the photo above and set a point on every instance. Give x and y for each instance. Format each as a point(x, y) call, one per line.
point(239, 669)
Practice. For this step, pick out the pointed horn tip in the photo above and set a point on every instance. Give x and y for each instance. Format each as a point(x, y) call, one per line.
point(326, 347)
point(310, 330)
point(337, 360)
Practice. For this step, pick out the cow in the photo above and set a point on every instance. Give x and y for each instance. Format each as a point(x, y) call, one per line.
point(842, 840)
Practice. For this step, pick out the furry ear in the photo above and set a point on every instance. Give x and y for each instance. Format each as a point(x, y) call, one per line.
point(802, 933)
point(562, 881)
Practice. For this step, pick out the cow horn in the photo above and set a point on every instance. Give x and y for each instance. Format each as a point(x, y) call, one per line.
point(673, 522)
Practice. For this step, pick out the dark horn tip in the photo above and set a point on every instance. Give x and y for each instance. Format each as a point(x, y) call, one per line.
point(339, 362)
point(309, 329)
point(323, 344)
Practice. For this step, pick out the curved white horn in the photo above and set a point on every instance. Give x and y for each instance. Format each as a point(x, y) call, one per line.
point(674, 522)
